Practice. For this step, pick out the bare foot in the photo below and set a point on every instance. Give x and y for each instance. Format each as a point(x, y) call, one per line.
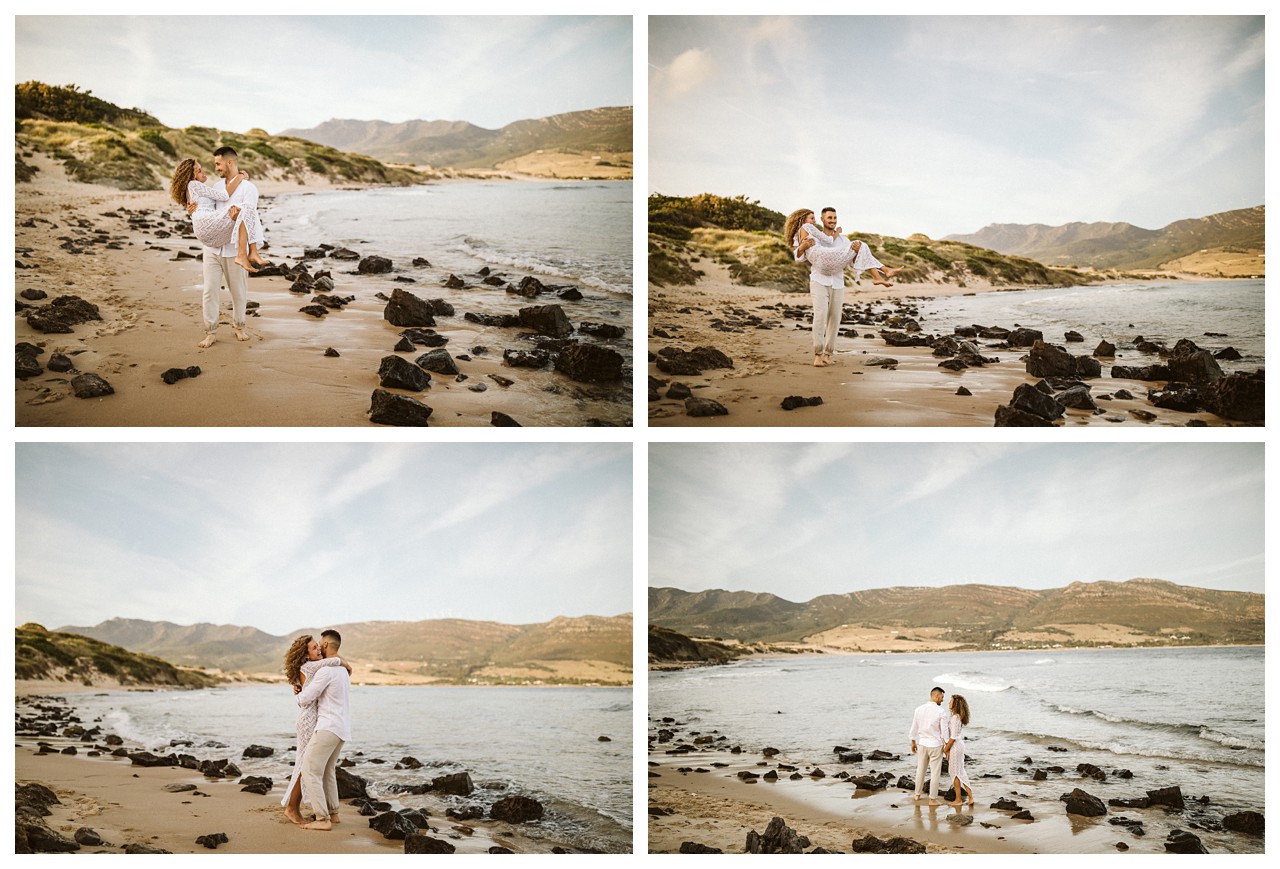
point(334, 818)
point(957, 803)
point(243, 262)
point(240, 333)
point(882, 283)
point(318, 825)
point(916, 798)
point(259, 260)
point(934, 803)
point(890, 273)
point(826, 359)
point(292, 814)
point(207, 342)
point(817, 362)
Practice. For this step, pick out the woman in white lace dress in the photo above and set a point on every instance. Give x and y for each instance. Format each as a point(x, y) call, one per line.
point(216, 228)
point(300, 663)
point(954, 749)
point(811, 243)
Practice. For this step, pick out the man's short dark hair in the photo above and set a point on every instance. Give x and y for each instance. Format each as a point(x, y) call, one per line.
point(333, 635)
point(935, 687)
point(228, 151)
point(824, 211)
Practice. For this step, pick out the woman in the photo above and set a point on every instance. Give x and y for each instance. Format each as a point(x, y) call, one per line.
point(820, 250)
point(954, 749)
point(214, 228)
point(300, 663)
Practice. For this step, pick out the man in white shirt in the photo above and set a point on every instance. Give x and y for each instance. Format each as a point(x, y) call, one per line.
point(330, 689)
point(827, 291)
point(929, 732)
point(219, 263)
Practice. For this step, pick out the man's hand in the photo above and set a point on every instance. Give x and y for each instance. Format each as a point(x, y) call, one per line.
point(297, 689)
point(913, 746)
point(191, 207)
point(233, 212)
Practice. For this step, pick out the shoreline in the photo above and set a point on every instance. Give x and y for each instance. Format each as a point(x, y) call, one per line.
point(169, 806)
point(131, 255)
point(715, 796)
point(765, 334)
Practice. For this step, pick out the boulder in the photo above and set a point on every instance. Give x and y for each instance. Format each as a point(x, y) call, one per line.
point(1190, 364)
point(704, 407)
point(135, 848)
point(1081, 802)
point(1050, 360)
point(516, 810)
point(1251, 823)
point(90, 386)
point(1236, 396)
point(406, 309)
point(258, 751)
point(390, 408)
point(343, 253)
point(146, 758)
point(438, 361)
point(1171, 797)
point(1028, 399)
point(1105, 348)
point(393, 825)
point(88, 836)
point(502, 420)
point(777, 838)
point(418, 843)
point(530, 287)
point(212, 840)
point(526, 358)
point(897, 845)
point(698, 848)
point(1021, 337)
point(457, 784)
point(602, 330)
point(1138, 803)
point(26, 365)
point(61, 314)
point(1073, 336)
point(374, 265)
point(673, 361)
point(547, 320)
point(590, 363)
point(570, 295)
point(396, 372)
point(1184, 842)
point(1228, 354)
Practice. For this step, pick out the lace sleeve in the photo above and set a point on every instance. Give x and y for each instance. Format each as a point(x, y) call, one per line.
point(309, 668)
point(197, 189)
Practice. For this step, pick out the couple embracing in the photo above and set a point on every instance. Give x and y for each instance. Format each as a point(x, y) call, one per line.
point(937, 732)
point(829, 253)
point(224, 215)
point(322, 682)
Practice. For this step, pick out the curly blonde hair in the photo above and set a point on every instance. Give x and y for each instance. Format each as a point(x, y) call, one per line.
point(794, 220)
point(295, 658)
point(960, 706)
point(182, 176)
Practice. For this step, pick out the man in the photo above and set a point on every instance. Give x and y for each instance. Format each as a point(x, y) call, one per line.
point(219, 263)
point(330, 689)
point(929, 732)
point(827, 291)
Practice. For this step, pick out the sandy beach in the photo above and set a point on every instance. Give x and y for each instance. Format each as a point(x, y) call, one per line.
point(704, 789)
point(169, 807)
point(767, 336)
point(119, 251)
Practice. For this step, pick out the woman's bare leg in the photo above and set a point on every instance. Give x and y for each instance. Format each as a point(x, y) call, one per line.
point(958, 791)
point(242, 250)
point(293, 809)
point(255, 257)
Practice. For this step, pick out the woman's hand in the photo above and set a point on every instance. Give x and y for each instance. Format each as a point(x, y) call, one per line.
point(191, 207)
point(297, 689)
point(233, 212)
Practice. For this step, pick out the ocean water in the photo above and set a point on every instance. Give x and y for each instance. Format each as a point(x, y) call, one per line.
point(1161, 311)
point(576, 232)
point(540, 742)
point(1197, 712)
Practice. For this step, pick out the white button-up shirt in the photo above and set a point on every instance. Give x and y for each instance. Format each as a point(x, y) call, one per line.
point(244, 194)
point(330, 686)
point(928, 725)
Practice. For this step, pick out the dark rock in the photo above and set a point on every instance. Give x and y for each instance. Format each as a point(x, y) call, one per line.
point(146, 758)
point(500, 419)
point(330, 352)
point(1023, 815)
point(34, 295)
point(404, 345)
point(704, 407)
point(178, 788)
point(498, 849)
point(1049, 360)
point(1090, 771)
point(1022, 337)
point(453, 282)
point(547, 320)
point(1138, 803)
point(1040, 775)
point(1171, 797)
point(1073, 336)
point(505, 321)
point(602, 330)
point(406, 309)
point(396, 372)
point(791, 402)
point(88, 836)
point(869, 782)
point(173, 375)
point(212, 840)
point(134, 848)
point(590, 363)
point(28, 348)
point(1077, 397)
point(441, 307)
point(1236, 396)
point(60, 363)
point(61, 314)
point(679, 391)
point(389, 408)
point(1006, 805)
point(695, 361)
point(516, 810)
point(421, 262)
point(457, 784)
point(90, 386)
point(1028, 399)
point(1228, 354)
point(1080, 802)
point(438, 361)
point(1184, 842)
point(314, 310)
point(393, 825)
point(526, 358)
point(424, 337)
point(350, 786)
point(374, 265)
point(1121, 846)
point(897, 845)
point(1252, 823)
point(26, 365)
point(1105, 348)
point(530, 287)
point(1178, 396)
point(36, 796)
point(698, 848)
point(570, 295)
point(417, 843)
point(778, 838)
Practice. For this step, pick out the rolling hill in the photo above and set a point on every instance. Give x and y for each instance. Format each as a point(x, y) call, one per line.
point(1231, 242)
point(594, 649)
point(1135, 612)
point(70, 657)
point(601, 139)
point(101, 143)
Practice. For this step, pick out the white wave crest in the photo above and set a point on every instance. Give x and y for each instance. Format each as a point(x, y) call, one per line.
point(973, 682)
point(1045, 661)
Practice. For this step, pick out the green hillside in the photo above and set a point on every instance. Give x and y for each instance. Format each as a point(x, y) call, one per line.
point(747, 238)
point(100, 143)
point(44, 654)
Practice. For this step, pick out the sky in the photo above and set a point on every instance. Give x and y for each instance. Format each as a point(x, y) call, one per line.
point(280, 536)
point(802, 520)
point(942, 125)
point(299, 71)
